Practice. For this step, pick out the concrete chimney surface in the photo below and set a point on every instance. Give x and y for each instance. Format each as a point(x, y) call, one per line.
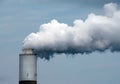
point(27, 67)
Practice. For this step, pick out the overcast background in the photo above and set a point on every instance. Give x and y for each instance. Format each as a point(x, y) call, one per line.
point(18, 18)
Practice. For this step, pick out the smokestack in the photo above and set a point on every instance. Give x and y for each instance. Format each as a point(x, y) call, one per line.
point(27, 67)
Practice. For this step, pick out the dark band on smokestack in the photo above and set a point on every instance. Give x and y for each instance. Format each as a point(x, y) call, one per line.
point(27, 82)
point(28, 67)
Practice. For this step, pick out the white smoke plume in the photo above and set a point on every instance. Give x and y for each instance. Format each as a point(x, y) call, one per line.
point(96, 33)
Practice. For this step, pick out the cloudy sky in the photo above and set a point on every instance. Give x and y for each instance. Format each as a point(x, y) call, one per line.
point(20, 18)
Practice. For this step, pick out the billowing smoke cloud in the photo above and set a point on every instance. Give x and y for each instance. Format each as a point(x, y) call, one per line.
point(96, 33)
